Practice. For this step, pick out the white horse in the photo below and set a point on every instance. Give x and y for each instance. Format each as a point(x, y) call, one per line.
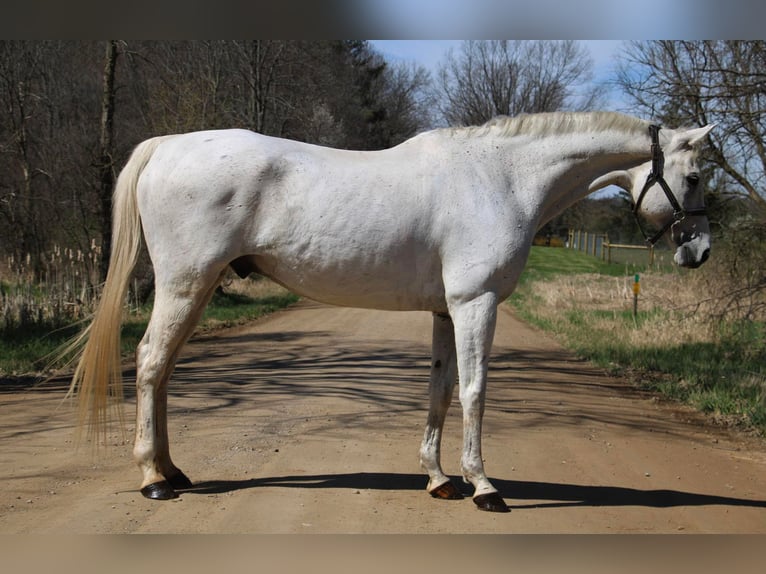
point(442, 222)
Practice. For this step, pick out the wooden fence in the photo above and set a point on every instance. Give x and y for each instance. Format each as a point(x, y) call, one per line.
point(598, 245)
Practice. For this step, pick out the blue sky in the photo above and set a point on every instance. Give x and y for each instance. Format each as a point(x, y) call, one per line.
point(430, 52)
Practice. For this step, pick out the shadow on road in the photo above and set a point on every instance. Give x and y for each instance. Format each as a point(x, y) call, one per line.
point(544, 494)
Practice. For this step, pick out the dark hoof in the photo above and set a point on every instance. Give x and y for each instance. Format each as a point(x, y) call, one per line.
point(180, 481)
point(446, 491)
point(491, 502)
point(159, 491)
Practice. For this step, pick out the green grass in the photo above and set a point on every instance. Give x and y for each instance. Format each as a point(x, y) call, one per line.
point(545, 262)
point(25, 350)
point(29, 349)
point(724, 375)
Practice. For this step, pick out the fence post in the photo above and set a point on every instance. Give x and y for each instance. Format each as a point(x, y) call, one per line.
point(590, 243)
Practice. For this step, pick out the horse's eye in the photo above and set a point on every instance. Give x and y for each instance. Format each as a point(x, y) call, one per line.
point(693, 179)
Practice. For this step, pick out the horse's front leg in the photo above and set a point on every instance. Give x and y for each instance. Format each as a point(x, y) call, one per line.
point(443, 376)
point(474, 332)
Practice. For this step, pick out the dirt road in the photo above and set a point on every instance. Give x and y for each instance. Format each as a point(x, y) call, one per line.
point(310, 421)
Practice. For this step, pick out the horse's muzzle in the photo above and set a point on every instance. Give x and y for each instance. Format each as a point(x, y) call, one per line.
point(693, 253)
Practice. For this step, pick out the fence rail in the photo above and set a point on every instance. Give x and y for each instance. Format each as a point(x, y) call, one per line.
point(598, 245)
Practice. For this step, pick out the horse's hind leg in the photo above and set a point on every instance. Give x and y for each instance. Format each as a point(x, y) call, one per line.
point(176, 312)
point(443, 377)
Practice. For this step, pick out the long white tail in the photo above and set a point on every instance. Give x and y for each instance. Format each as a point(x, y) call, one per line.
point(97, 380)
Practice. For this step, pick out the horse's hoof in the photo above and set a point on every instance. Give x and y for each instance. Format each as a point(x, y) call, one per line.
point(180, 481)
point(446, 491)
point(159, 491)
point(491, 502)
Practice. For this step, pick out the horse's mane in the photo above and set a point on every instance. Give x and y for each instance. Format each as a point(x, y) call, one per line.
point(554, 123)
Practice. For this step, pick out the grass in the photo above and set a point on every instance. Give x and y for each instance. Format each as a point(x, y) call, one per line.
point(26, 349)
point(671, 347)
point(548, 262)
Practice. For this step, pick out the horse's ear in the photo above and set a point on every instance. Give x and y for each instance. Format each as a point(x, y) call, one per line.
point(692, 138)
point(620, 178)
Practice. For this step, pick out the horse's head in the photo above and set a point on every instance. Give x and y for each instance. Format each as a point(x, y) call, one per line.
point(668, 193)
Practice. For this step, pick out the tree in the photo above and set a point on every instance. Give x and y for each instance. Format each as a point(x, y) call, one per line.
point(380, 105)
point(508, 77)
point(47, 124)
point(702, 82)
point(407, 100)
point(106, 153)
point(21, 89)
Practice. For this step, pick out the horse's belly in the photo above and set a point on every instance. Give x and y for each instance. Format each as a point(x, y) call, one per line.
point(403, 287)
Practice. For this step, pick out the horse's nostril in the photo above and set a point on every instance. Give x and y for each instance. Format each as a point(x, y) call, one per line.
point(705, 255)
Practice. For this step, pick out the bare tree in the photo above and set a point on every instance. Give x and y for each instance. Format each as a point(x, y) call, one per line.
point(180, 86)
point(262, 69)
point(489, 78)
point(21, 78)
point(407, 99)
point(701, 82)
point(106, 153)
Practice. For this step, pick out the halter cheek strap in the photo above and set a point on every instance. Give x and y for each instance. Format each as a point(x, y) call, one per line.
point(656, 176)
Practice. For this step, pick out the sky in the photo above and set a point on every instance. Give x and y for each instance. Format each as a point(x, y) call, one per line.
point(430, 53)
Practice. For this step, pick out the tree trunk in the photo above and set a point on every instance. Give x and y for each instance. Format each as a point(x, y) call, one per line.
point(106, 159)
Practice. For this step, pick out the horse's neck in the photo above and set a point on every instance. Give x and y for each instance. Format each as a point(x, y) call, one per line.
point(567, 164)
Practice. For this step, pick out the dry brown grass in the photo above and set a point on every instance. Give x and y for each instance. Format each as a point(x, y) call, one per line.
point(254, 286)
point(663, 304)
point(683, 306)
point(62, 289)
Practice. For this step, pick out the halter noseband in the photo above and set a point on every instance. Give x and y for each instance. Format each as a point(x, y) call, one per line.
point(655, 176)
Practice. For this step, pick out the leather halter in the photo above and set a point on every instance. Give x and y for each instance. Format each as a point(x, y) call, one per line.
point(656, 176)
